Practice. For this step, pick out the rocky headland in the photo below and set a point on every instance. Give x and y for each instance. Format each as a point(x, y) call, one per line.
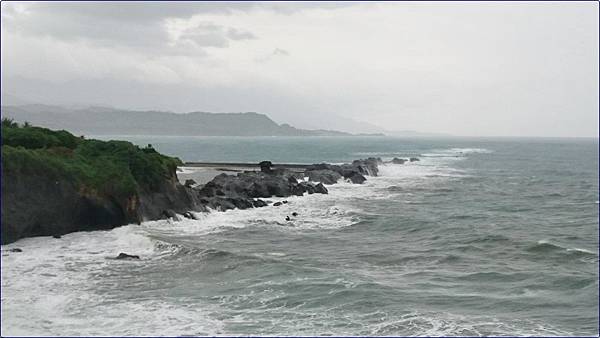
point(55, 183)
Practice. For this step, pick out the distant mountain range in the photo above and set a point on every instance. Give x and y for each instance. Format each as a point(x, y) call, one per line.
point(110, 121)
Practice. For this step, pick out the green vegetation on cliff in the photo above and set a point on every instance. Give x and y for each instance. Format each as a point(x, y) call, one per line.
point(110, 168)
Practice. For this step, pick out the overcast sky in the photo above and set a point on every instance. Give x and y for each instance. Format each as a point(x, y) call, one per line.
point(481, 69)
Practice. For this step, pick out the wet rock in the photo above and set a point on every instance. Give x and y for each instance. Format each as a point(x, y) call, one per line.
point(396, 160)
point(356, 178)
point(56, 236)
point(294, 214)
point(189, 215)
point(414, 159)
point(265, 166)
point(320, 189)
point(171, 214)
point(284, 202)
point(189, 183)
point(325, 176)
point(308, 187)
point(123, 255)
point(276, 204)
point(287, 218)
point(15, 250)
point(259, 203)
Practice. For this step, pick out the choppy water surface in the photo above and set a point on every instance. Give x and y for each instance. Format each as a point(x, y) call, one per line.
point(481, 237)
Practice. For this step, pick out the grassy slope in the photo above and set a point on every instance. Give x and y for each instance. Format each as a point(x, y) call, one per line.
point(110, 168)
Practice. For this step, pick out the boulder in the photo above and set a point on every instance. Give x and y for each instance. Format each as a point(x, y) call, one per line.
point(265, 166)
point(320, 189)
point(308, 187)
point(189, 183)
point(169, 213)
point(396, 160)
point(276, 204)
point(189, 215)
point(325, 176)
point(294, 214)
point(356, 178)
point(259, 203)
point(414, 159)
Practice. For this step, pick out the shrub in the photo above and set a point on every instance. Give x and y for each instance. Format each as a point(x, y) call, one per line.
point(115, 168)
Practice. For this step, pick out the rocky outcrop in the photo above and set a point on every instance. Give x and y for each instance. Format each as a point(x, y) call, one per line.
point(39, 205)
point(354, 172)
point(396, 160)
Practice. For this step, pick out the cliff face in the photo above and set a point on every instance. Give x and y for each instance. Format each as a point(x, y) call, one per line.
point(54, 183)
point(38, 205)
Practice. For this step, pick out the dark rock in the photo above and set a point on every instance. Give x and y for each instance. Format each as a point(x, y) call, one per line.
point(189, 215)
point(308, 187)
point(265, 166)
point(320, 189)
point(325, 176)
point(414, 159)
point(56, 236)
point(284, 201)
point(298, 190)
point(287, 218)
point(396, 160)
point(15, 250)
point(241, 203)
point(189, 183)
point(294, 214)
point(123, 255)
point(356, 178)
point(171, 214)
point(276, 204)
point(259, 203)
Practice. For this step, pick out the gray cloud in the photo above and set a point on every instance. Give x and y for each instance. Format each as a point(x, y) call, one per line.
point(463, 68)
point(132, 25)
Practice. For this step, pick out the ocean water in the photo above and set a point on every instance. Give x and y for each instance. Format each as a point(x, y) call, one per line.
point(480, 237)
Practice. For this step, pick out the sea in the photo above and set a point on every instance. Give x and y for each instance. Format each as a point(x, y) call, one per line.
point(482, 236)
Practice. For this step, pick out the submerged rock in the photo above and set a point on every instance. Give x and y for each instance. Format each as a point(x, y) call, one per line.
point(276, 204)
point(414, 159)
point(396, 160)
point(15, 250)
point(123, 255)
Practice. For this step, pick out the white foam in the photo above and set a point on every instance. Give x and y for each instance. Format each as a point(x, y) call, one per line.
point(188, 170)
point(49, 287)
point(456, 152)
point(582, 250)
